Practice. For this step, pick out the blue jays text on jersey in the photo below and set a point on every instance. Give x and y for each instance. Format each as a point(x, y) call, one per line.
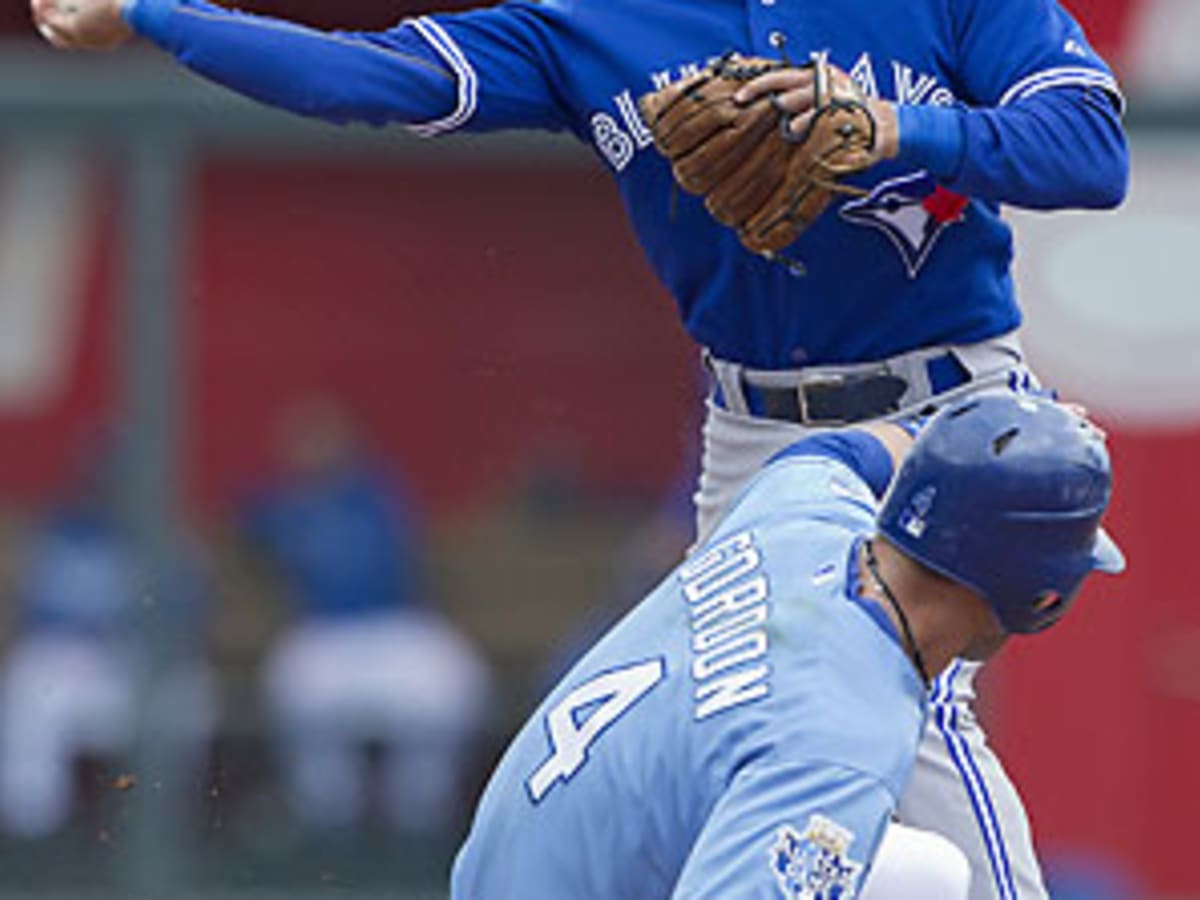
point(1001, 101)
point(744, 732)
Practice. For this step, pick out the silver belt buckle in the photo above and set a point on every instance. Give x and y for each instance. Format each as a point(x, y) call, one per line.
point(834, 379)
point(826, 380)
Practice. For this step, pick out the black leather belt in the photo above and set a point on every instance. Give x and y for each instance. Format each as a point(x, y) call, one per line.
point(842, 399)
point(829, 401)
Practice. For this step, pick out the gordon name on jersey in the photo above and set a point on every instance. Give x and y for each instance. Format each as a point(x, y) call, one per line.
point(728, 594)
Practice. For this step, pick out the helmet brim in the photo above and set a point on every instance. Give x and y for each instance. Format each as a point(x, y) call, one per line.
point(1106, 555)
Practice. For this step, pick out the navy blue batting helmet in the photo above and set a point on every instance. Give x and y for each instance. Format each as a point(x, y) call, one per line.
point(1004, 493)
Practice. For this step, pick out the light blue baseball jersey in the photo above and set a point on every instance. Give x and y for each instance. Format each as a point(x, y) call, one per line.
point(744, 732)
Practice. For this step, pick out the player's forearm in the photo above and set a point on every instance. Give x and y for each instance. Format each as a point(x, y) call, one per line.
point(379, 78)
point(1058, 149)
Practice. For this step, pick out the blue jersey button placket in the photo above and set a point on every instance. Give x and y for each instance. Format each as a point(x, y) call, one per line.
point(775, 24)
point(764, 19)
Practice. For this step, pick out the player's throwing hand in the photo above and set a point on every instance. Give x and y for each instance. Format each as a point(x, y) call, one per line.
point(81, 24)
point(795, 91)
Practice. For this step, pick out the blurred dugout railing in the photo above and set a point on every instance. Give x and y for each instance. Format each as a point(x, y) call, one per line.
point(152, 121)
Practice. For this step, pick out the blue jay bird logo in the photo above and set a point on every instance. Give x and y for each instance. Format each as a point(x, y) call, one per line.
point(815, 864)
point(913, 211)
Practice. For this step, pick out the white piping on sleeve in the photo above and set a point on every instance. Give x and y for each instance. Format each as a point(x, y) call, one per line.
point(1060, 77)
point(468, 81)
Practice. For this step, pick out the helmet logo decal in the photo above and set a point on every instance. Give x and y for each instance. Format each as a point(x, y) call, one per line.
point(914, 518)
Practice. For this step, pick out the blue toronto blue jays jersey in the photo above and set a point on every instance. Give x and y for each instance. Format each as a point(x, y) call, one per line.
point(1000, 101)
point(914, 264)
point(744, 732)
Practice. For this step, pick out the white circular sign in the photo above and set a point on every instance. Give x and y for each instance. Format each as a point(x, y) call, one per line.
point(1112, 300)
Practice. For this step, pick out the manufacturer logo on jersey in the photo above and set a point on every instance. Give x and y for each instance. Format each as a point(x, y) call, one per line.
point(913, 211)
point(815, 864)
point(1075, 48)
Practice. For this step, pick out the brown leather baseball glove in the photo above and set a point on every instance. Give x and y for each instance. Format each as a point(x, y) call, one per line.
point(763, 170)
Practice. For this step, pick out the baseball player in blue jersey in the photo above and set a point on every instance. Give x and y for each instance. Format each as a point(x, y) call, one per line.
point(907, 301)
point(748, 729)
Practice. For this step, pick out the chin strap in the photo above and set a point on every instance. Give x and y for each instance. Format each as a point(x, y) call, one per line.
point(873, 568)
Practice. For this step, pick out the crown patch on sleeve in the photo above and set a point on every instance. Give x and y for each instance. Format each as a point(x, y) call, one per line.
point(815, 864)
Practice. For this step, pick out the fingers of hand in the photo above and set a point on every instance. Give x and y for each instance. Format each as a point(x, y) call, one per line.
point(55, 35)
point(781, 81)
point(800, 124)
point(57, 19)
point(81, 24)
point(795, 102)
point(58, 13)
point(51, 36)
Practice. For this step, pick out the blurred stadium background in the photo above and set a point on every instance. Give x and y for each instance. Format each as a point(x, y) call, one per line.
point(203, 304)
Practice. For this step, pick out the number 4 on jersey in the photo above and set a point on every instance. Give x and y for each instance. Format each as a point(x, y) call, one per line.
point(604, 699)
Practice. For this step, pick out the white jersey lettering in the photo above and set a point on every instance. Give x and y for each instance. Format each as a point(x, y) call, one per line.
point(613, 143)
point(910, 87)
point(727, 594)
point(634, 125)
point(731, 690)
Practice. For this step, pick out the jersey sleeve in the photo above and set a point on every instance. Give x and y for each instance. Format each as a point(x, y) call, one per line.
point(1011, 50)
point(480, 69)
point(860, 451)
point(502, 57)
point(803, 487)
point(377, 78)
point(1059, 149)
point(791, 831)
